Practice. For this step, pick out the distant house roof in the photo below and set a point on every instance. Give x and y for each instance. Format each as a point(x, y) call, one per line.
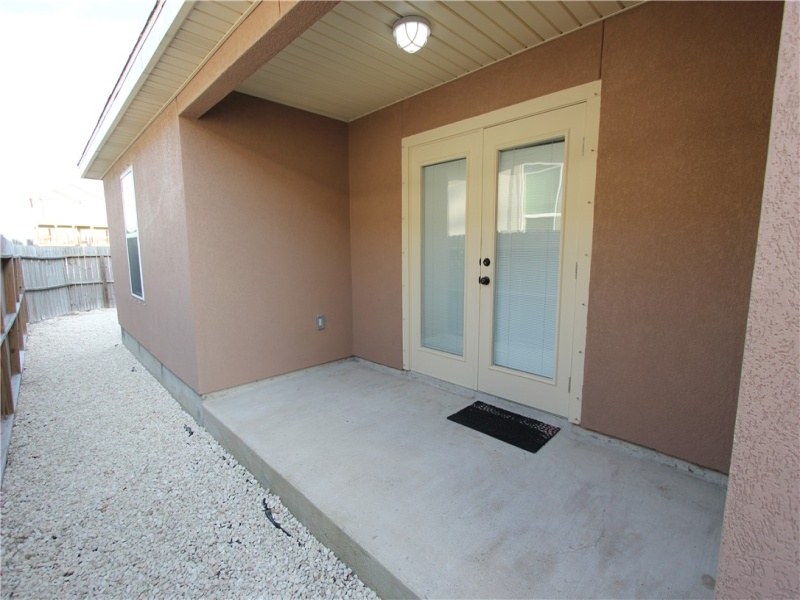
point(344, 66)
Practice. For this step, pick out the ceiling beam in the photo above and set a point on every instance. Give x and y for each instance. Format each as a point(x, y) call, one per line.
point(268, 29)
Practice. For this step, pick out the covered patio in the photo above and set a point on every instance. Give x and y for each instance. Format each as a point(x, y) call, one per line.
point(266, 234)
point(420, 506)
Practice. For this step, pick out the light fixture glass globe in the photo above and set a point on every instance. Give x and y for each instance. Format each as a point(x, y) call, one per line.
point(411, 33)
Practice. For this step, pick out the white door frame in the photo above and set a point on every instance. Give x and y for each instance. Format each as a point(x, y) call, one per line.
point(590, 95)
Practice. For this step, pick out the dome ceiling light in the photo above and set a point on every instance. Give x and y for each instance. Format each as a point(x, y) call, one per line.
point(411, 33)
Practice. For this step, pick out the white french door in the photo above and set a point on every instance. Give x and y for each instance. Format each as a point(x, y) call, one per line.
point(445, 179)
point(494, 234)
point(532, 180)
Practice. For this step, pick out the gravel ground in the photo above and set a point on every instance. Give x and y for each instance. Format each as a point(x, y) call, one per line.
point(112, 491)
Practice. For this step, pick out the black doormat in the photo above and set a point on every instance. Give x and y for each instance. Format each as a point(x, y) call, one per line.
point(522, 432)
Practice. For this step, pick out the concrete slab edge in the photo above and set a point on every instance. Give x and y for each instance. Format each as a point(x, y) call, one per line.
point(363, 564)
point(366, 566)
point(190, 401)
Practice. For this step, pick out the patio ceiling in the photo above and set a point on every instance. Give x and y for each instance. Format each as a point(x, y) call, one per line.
point(344, 66)
point(347, 64)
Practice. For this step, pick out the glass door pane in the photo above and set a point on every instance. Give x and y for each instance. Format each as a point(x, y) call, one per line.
point(528, 247)
point(443, 232)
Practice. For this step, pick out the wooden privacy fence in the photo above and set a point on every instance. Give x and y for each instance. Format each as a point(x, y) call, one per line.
point(13, 333)
point(61, 280)
point(14, 327)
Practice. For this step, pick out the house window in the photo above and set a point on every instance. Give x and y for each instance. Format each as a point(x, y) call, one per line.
point(132, 233)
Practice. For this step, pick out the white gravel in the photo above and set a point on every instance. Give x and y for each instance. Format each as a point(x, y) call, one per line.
point(106, 493)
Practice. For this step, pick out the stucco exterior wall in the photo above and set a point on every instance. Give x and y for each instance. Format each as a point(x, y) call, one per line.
point(164, 322)
point(684, 128)
point(760, 552)
point(268, 213)
point(375, 236)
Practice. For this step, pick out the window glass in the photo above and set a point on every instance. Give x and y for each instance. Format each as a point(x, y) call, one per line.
point(529, 204)
point(444, 210)
point(132, 233)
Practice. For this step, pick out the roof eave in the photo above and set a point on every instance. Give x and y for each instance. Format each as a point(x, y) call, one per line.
point(164, 22)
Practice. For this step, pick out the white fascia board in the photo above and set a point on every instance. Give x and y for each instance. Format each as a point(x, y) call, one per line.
point(168, 21)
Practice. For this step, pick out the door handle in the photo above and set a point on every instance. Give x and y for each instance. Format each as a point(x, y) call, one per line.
point(484, 280)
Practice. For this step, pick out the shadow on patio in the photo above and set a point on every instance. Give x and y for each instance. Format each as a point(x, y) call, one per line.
point(421, 506)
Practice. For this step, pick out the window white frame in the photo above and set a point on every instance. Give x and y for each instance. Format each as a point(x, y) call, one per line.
point(132, 244)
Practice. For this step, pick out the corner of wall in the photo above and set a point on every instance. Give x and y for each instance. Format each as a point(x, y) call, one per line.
point(268, 239)
point(760, 550)
point(163, 322)
point(191, 257)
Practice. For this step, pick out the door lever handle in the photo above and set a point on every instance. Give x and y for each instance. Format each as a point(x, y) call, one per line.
point(484, 280)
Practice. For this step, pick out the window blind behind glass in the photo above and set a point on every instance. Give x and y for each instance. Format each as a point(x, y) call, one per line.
point(444, 208)
point(528, 246)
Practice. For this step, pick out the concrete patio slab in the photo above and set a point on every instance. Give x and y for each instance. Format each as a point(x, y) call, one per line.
point(421, 506)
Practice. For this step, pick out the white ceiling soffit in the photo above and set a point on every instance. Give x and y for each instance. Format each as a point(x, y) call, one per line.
point(182, 38)
point(347, 64)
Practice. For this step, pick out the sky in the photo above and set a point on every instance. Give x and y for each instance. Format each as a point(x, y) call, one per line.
point(59, 61)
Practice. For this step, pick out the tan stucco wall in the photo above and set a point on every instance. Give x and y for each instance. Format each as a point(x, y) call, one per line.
point(164, 322)
point(760, 552)
point(375, 214)
point(268, 214)
point(683, 136)
point(684, 127)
